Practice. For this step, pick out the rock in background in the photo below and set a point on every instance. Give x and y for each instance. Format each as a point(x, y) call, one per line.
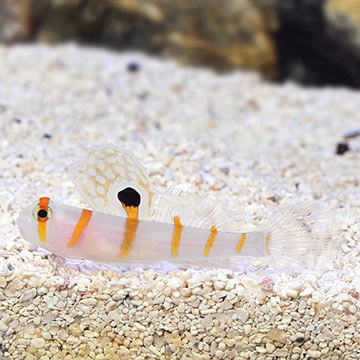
point(310, 41)
point(15, 20)
point(318, 41)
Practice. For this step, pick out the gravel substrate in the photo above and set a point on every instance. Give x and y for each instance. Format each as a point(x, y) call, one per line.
point(234, 137)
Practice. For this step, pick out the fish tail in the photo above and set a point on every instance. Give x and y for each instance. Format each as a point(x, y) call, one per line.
point(300, 235)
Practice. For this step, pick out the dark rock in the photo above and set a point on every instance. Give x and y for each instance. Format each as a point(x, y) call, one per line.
point(224, 35)
point(133, 67)
point(15, 20)
point(312, 48)
point(313, 42)
point(342, 148)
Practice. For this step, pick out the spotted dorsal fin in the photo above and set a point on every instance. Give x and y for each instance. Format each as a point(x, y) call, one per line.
point(109, 179)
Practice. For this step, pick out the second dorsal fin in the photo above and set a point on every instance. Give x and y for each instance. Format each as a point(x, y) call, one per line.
point(193, 210)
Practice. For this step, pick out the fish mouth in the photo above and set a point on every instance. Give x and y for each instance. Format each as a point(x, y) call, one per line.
point(24, 221)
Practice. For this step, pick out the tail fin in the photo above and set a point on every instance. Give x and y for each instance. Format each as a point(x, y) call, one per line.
point(300, 235)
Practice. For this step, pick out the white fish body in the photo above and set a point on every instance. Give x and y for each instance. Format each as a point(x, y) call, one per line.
point(103, 238)
point(133, 224)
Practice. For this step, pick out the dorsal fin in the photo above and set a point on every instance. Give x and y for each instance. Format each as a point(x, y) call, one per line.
point(193, 210)
point(107, 176)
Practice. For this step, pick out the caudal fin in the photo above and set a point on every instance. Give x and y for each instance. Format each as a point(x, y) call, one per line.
point(300, 235)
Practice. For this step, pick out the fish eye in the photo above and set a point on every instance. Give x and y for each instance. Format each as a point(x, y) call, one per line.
point(42, 214)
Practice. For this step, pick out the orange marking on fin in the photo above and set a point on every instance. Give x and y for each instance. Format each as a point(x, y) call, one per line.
point(176, 237)
point(80, 226)
point(130, 230)
point(43, 205)
point(268, 243)
point(241, 243)
point(210, 241)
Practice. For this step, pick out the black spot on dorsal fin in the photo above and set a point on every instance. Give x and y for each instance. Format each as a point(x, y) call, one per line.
point(129, 197)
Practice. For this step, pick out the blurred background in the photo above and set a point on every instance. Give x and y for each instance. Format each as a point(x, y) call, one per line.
point(313, 42)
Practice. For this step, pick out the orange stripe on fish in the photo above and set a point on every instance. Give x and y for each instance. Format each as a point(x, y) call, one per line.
point(210, 241)
point(44, 206)
point(241, 243)
point(176, 237)
point(80, 226)
point(130, 230)
point(268, 243)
